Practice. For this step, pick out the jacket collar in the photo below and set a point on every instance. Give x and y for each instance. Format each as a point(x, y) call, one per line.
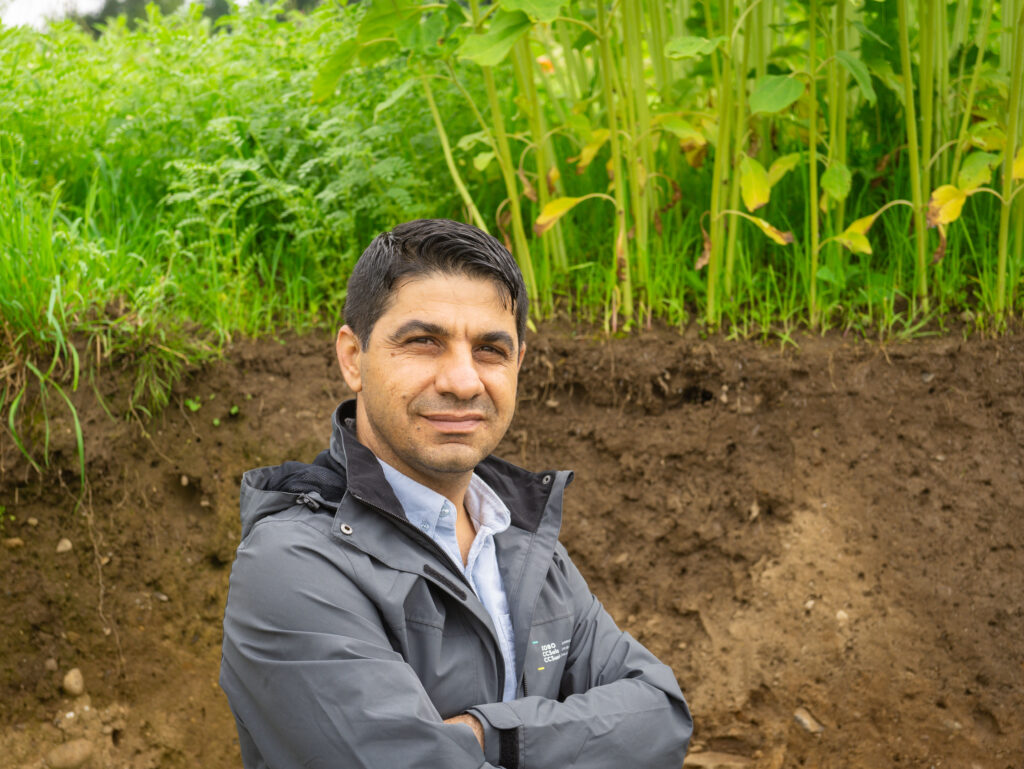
point(523, 492)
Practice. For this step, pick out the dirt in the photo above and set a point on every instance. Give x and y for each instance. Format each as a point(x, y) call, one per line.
point(833, 530)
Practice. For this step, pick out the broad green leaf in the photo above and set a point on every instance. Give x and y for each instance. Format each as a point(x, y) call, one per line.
point(773, 93)
point(883, 70)
point(332, 70)
point(682, 129)
point(836, 181)
point(692, 46)
point(585, 38)
point(855, 241)
point(944, 205)
point(754, 184)
point(552, 212)
point(1018, 166)
point(828, 275)
point(394, 96)
point(860, 73)
point(865, 32)
point(482, 160)
point(590, 149)
point(782, 166)
point(382, 18)
point(491, 47)
point(541, 10)
point(470, 140)
point(421, 33)
point(976, 170)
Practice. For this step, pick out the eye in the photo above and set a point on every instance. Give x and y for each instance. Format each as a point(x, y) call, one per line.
point(493, 351)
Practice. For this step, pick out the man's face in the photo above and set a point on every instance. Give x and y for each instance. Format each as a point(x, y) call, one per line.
point(436, 383)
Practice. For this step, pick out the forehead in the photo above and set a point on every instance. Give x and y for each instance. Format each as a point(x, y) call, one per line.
point(451, 299)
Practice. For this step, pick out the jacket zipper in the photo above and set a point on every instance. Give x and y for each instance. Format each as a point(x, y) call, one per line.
point(436, 548)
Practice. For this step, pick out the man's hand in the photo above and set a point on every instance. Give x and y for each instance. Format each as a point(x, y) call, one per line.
point(472, 723)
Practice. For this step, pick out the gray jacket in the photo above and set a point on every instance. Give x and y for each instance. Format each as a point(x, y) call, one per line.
point(348, 638)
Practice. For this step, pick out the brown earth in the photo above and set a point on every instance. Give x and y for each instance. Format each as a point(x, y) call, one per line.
point(836, 528)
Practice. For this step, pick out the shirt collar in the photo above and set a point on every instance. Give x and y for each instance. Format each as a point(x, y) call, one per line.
point(424, 507)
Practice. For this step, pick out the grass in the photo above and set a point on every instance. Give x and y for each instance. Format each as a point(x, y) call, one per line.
point(169, 187)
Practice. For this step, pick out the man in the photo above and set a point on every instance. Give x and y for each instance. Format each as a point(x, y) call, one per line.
point(404, 601)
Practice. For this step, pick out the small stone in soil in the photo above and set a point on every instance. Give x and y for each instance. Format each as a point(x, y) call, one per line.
point(184, 480)
point(803, 717)
point(74, 683)
point(12, 543)
point(64, 545)
point(69, 755)
point(842, 617)
point(50, 665)
point(33, 522)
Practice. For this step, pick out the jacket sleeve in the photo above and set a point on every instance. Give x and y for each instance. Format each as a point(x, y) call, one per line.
point(309, 672)
point(619, 706)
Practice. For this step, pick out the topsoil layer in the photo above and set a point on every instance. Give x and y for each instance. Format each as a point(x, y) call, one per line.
point(826, 543)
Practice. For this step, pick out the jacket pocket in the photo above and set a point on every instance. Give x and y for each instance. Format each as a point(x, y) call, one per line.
point(547, 650)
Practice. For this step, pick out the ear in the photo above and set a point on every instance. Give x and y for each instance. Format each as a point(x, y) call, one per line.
point(522, 354)
point(349, 351)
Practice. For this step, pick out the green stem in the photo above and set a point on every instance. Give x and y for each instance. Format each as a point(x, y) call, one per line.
point(446, 149)
point(607, 64)
point(812, 164)
point(965, 123)
point(1012, 143)
point(914, 155)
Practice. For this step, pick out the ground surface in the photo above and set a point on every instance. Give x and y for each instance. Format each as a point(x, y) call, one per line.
point(836, 528)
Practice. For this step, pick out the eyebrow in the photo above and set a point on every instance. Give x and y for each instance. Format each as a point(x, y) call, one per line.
point(433, 329)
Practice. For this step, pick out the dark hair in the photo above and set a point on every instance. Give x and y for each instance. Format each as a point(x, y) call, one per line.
point(424, 247)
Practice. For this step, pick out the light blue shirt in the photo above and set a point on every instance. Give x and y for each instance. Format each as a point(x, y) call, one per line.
point(435, 515)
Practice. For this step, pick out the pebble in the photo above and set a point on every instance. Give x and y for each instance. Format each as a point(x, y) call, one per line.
point(50, 665)
point(184, 480)
point(74, 683)
point(69, 755)
point(33, 522)
point(803, 717)
point(12, 543)
point(64, 546)
point(842, 617)
point(809, 605)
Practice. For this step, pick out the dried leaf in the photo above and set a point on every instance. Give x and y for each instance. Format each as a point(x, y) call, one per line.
point(705, 251)
point(528, 188)
point(940, 250)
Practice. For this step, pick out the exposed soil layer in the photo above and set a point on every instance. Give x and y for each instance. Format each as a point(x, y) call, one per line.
point(837, 528)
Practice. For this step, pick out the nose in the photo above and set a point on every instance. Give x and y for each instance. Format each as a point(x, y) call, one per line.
point(457, 374)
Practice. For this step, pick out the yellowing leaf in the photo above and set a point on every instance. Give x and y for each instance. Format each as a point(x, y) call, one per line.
point(1018, 165)
point(590, 149)
point(683, 129)
point(782, 166)
point(861, 226)
point(988, 136)
point(552, 212)
point(855, 241)
point(780, 237)
point(754, 184)
point(945, 204)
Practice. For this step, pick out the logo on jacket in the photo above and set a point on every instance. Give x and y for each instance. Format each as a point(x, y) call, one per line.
point(552, 651)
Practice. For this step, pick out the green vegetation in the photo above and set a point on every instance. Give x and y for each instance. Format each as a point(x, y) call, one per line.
point(754, 165)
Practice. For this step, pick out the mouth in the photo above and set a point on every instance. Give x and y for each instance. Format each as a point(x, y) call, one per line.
point(454, 423)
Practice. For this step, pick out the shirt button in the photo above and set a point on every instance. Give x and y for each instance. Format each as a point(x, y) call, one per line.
point(425, 526)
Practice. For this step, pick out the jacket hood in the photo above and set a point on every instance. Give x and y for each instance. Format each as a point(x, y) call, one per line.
point(348, 466)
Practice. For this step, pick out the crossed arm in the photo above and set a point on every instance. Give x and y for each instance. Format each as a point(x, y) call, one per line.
point(314, 682)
